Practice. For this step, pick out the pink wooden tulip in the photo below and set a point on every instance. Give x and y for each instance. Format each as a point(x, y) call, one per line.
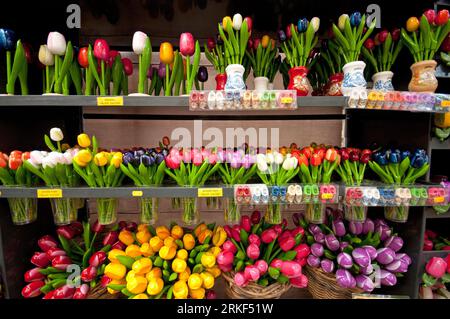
point(251, 273)
point(229, 246)
point(240, 280)
point(299, 282)
point(127, 66)
point(225, 258)
point(246, 223)
point(101, 49)
point(253, 251)
point(187, 44)
point(268, 235)
point(276, 263)
point(436, 267)
point(291, 269)
point(254, 239)
point(262, 266)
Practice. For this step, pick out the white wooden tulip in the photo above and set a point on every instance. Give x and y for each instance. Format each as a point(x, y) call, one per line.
point(315, 22)
point(56, 43)
point(278, 158)
point(139, 39)
point(261, 162)
point(341, 21)
point(237, 21)
point(56, 134)
point(45, 56)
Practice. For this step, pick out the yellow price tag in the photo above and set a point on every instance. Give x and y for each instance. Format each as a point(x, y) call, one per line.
point(49, 193)
point(137, 193)
point(445, 103)
point(210, 192)
point(110, 101)
point(286, 100)
point(439, 199)
point(327, 196)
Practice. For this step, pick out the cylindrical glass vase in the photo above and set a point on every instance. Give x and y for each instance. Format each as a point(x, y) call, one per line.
point(231, 211)
point(64, 211)
point(315, 213)
point(149, 210)
point(23, 210)
point(397, 214)
point(191, 214)
point(107, 210)
point(355, 213)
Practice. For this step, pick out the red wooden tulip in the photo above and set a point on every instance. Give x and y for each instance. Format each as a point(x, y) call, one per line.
point(122, 224)
point(112, 57)
point(256, 217)
point(46, 242)
point(302, 250)
point(77, 228)
point(382, 36)
point(249, 23)
point(66, 232)
point(315, 160)
point(246, 223)
point(97, 228)
point(55, 252)
point(369, 44)
point(187, 44)
point(286, 242)
point(119, 245)
point(49, 295)
point(430, 14)
point(268, 235)
point(61, 262)
point(105, 281)
point(64, 292)
point(442, 17)
point(81, 292)
point(110, 238)
point(211, 44)
point(127, 66)
point(131, 226)
point(40, 259)
point(33, 289)
point(33, 275)
point(395, 34)
point(28, 52)
point(83, 57)
point(88, 274)
point(291, 269)
point(256, 43)
point(101, 49)
point(97, 259)
point(297, 230)
point(253, 251)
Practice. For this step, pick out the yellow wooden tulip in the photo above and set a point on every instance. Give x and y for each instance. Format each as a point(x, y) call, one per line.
point(126, 237)
point(195, 281)
point(137, 285)
point(115, 271)
point(114, 253)
point(176, 232)
point(208, 260)
point(185, 274)
point(143, 236)
point(155, 285)
point(146, 250)
point(162, 232)
point(84, 140)
point(197, 293)
point(142, 266)
point(154, 273)
point(188, 241)
point(179, 265)
point(140, 296)
point(167, 252)
point(208, 280)
point(156, 243)
point(180, 290)
point(133, 251)
point(182, 254)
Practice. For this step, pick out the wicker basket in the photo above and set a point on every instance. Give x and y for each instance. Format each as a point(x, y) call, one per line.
point(100, 292)
point(324, 286)
point(253, 290)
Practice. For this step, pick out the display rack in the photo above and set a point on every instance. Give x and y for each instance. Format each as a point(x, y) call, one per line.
point(362, 126)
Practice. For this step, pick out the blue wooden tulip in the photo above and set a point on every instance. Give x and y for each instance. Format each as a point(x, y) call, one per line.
point(159, 158)
point(7, 39)
point(302, 25)
point(281, 36)
point(404, 155)
point(355, 19)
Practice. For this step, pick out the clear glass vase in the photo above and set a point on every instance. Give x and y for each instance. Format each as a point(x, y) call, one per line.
point(64, 211)
point(315, 213)
point(273, 213)
point(397, 214)
point(149, 210)
point(78, 202)
point(107, 210)
point(191, 213)
point(355, 213)
point(232, 211)
point(23, 210)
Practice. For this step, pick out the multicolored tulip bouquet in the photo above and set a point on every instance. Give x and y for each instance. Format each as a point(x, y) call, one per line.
point(99, 169)
point(14, 173)
point(16, 67)
point(146, 167)
point(55, 169)
point(258, 253)
point(191, 168)
point(56, 262)
point(363, 255)
point(331, 70)
point(237, 167)
point(436, 278)
point(396, 167)
point(276, 169)
point(297, 44)
point(165, 262)
point(262, 55)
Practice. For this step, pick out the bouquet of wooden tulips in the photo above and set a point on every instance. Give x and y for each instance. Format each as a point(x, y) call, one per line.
point(58, 261)
point(166, 263)
point(99, 169)
point(263, 254)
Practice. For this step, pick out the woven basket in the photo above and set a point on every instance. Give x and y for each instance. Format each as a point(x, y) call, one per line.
point(322, 285)
point(253, 290)
point(100, 292)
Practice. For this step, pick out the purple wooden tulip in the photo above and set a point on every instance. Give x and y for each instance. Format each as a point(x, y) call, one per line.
point(331, 242)
point(385, 256)
point(327, 265)
point(387, 278)
point(365, 283)
point(367, 270)
point(384, 231)
point(317, 249)
point(162, 70)
point(381, 222)
point(345, 260)
point(394, 242)
point(361, 257)
point(343, 245)
point(372, 251)
point(345, 279)
point(368, 226)
point(397, 266)
point(404, 257)
point(356, 228)
point(314, 229)
point(338, 227)
point(320, 238)
point(313, 261)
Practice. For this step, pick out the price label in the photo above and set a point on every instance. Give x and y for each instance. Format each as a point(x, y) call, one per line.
point(439, 200)
point(445, 103)
point(327, 196)
point(137, 193)
point(286, 100)
point(110, 101)
point(49, 193)
point(210, 192)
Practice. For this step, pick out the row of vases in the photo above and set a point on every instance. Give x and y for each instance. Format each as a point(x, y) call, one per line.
point(423, 79)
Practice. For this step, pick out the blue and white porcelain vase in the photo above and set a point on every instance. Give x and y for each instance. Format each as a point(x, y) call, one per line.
point(382, 81)
point(235, 77)
point(353, 77)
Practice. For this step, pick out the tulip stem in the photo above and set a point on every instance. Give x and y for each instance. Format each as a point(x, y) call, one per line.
point(103, 77)
point(167, 80)
point(188, 75)
point(8, 65)
point(47, 79)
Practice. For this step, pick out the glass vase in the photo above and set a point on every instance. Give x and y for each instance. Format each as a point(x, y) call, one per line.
point(191, 213)
point(64, 211)
point(232, 211)
point(273, 213)
point(315, 213)
point(23, 210)
point(107, 210)
point(149, 210)
point(355, 213)
point(397, 214)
